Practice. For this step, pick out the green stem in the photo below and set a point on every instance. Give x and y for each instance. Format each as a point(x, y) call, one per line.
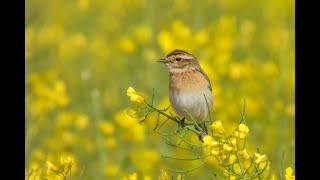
point(260, 172)
point(193, 130)
point(240, 164)
point(195, 123)
point(255, 167)
point(186, 141)
point(164, 114)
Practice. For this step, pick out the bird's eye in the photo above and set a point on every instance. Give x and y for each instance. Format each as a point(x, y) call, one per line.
point(178, 59)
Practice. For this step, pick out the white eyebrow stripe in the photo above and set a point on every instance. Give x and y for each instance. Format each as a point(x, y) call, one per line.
point(185, 56)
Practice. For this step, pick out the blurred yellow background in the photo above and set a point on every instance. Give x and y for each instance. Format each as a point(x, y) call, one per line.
point(82, 55)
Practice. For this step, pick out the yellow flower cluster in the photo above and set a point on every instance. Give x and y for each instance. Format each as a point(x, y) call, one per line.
point(289, 174)
point(141, 157)
point(134, 96)
point(48, 92)
point(230, 151)
point(243, 131)
point(112, 170)
point(132, 176)
point(132, 130)
point(52, 170)
point(72, 119)
point(108, 129)
point(179, 36)
point(165, 176)
point(217, 126)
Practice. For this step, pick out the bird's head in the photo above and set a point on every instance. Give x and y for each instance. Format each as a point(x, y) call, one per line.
point(180, 61)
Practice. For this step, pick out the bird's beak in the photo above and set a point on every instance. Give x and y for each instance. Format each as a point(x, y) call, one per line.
point(163, 60)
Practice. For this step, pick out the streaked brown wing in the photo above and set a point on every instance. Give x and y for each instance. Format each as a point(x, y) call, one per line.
point(206, 76)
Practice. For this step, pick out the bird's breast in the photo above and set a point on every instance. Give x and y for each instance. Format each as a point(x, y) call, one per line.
point(189, 92)
point(191, 81)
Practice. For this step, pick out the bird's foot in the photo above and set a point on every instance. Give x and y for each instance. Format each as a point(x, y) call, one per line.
point(201, 135)
point(182, 124)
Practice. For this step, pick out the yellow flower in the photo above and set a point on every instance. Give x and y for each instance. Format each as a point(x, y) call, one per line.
point(165, 41)
point(64, 119)
point(143, 33)
point(58, 94)
point(136, 133)
point(68, 137)
point(124, 120)
point(134, 96)
point(235, 134)
point(243, 130)
point(111, 170)
point(110, 143)
point(52, 167)
point(67, 162)
point(233, 141)
point(237, 168)
point(289, 173)
point(244, 154)
point(180, 30)
point(259, 158)
point(236, 71)
point(83, 4)
point(38, 154)
point(273, 177)
point(215, 151)
point(290, 110)
point(247, 30)
point(141, 157)
point(224, 43)
point(100, 49)
point(81, 122)
point(227, 147)
point(79, 40)
point(131, 112)
point(126, 45)
point(133, 176)
point(163, 175)
point(207, 140)
point(50, 34)
point(270, 69)
point(72, 46)
point(201, 37)
point(106, 127)
point(215, 143)
point(232, 158)
point(149, 54)
point(223, 157)
point(217, 126)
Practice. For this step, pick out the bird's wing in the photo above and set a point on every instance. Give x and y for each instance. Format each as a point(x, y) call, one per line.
point(206, 76)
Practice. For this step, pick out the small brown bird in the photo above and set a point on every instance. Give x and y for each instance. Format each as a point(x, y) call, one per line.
point(189, 87)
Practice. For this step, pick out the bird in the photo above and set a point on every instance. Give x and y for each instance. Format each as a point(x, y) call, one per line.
point(190, 90)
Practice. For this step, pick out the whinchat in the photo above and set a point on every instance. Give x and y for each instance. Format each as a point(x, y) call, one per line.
point(190, 90)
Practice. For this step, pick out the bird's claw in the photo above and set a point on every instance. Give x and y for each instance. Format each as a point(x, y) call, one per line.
point(182, 122)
